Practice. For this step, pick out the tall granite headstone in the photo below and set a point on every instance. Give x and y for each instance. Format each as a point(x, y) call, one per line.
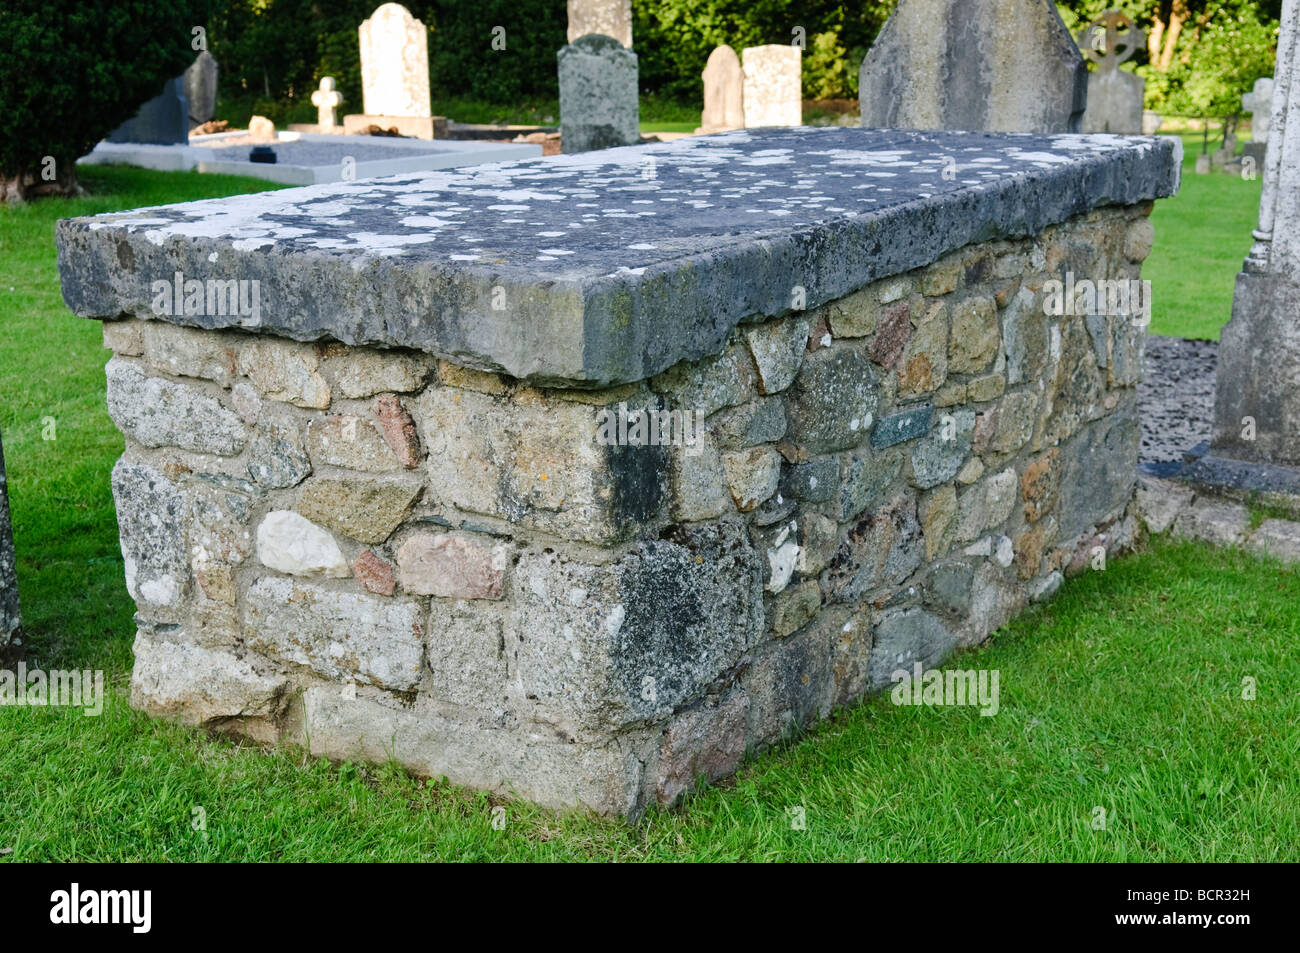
point(978, 65)
point(598, 94)
point(724, 92)
point(163, 120)
point(1115, 97)
point(8, 577)
point(1257, 401)
point(200, 82)
point(607, 17)
point(773, 85)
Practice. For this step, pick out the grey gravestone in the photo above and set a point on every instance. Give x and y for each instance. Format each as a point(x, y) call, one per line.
point(1114, 96)
point(200, 82)
point(1257, 395)
point(724, 92)
point(163, 120)
point(598, 95)
point(606, 17)
point(1259, 103)
point(8, 577)
point(978, 65)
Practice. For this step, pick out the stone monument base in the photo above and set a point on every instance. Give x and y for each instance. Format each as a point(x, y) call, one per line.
point(527, 632)
point(417, 127)
point(1255, 398)
point(582, 513)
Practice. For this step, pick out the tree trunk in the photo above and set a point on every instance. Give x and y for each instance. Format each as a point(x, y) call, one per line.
point(1178, 15)
point(16, 189)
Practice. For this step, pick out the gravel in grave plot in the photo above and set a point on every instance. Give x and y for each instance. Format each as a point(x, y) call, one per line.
point(313, 154)
point(1176, 397)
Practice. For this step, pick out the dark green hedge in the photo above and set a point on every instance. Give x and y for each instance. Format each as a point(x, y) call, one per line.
point(275, 51)
point(71, 71)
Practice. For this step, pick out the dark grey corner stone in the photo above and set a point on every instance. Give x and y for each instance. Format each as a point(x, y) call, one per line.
point(9, 617)
point(902, 426)
point(605, 267)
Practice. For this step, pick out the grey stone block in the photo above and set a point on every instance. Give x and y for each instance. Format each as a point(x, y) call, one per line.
point(833, 402)
point(534, 765)
point(813, 482)
point(902, 426)
point(202, 686)
point(608, 310)
point(1100, 469)
point(1277, 538)
point(151, 512)
point(905, 637)
point(159, 412)
point(345, 636)
point(596, 648)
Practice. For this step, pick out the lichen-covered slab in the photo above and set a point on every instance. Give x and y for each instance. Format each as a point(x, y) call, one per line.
point(610, 266)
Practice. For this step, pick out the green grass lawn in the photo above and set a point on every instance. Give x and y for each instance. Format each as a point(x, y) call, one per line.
point(1123, 693)
point(1202, 236)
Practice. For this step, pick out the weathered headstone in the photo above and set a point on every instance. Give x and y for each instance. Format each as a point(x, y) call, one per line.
point(1114, 95)
point(724, 92)
point(978, 65)
point(773, 90)
point(200, 82)
point(327, 100)
point(598, 94)
point(611, 18)
point(163, 120)
point(1257, 400)
point(1259, 103)
point(394, 74)
point(8, 578)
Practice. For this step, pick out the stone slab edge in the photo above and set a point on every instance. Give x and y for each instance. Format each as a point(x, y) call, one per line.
point(613, 329)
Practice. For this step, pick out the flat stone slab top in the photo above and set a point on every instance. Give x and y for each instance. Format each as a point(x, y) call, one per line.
point(605, 267)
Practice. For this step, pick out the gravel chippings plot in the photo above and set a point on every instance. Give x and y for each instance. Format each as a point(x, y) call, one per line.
point(1176, 396)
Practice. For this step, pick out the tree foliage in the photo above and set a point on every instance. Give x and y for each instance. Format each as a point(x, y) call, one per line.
point(71, 71)
point(1200, 55)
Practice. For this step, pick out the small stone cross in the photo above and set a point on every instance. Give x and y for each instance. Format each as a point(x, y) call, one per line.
point(1111, 39)
point(1259, 104)
point(326, 100)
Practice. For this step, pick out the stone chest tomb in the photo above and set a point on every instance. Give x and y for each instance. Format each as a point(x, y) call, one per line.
point(579, 478)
